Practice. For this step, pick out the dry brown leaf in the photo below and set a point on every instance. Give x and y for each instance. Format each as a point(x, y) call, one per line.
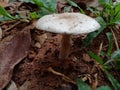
point(12, 50)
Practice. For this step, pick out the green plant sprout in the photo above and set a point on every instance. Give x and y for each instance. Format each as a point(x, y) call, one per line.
point(105, 67)
point(108, 16)
point(111, 61)
point(4, 15)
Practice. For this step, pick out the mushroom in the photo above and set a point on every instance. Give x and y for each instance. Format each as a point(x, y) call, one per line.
point(67, 24)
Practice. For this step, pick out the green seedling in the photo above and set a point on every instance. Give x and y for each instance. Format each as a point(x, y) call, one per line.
point(109, 16)
point(4, 15)
point(33, 15)
point(114, 58)
point(112, 61)
point(105, 67)
point(45, 6)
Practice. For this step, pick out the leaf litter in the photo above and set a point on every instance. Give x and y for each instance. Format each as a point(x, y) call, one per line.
point(12, 50)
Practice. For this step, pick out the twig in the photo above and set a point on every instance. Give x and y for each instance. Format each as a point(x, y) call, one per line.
point(95, 82)
point(100, 48)
point(8, 29)
point(6, 22)
point(116, 42)
point(50, 69)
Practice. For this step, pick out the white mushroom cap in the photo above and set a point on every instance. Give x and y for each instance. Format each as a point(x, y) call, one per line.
point(68, 23)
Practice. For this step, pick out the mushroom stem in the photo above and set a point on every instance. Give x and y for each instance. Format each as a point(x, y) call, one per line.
point(65, 46)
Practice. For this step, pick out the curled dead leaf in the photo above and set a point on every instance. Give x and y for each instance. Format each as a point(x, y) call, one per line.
point(12, 50)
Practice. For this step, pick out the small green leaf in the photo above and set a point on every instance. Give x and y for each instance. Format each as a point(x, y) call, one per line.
point(113, 81)
point(27, 1)
point(97, 58)
point(82, 85)
point(49, 5)
point(3, 18)
point(67, 8)
point(75, 5)
point(33, 15)
point(117, 8)
point(72, 3)
point(4, 13)
point(104, 88)
point(110, 39)
point(105, 2)
point(11, 1)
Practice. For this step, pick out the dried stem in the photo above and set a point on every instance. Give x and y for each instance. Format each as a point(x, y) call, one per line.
point(64, 77)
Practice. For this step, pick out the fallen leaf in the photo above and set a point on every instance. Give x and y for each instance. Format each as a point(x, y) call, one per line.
point(12, 86)
point(12, 50)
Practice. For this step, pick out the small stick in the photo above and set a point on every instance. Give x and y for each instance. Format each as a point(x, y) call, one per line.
point(100, 48)
point(6, 22)
point(8, 29)
point(116, 42)
point(50, 69)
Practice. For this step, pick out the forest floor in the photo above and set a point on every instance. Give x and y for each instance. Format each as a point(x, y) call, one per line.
point(40, 68)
